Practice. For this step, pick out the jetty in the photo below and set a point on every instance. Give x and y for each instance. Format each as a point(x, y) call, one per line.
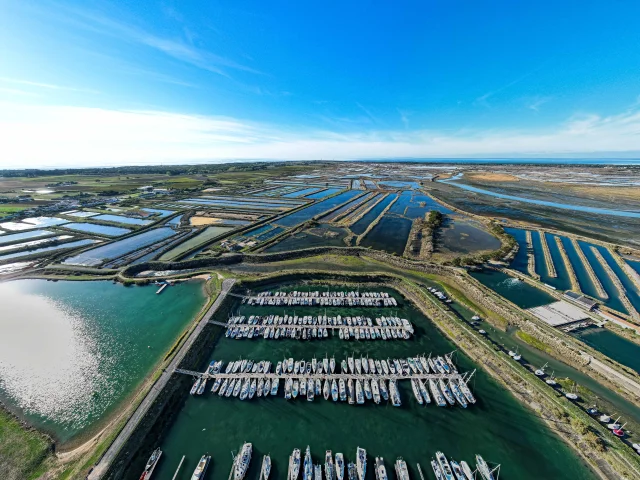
point(575, 285)
point(175, 475)
point(159, 291)
point(531, 259)
point(618, 284)
point(587, 265)
point(548, 259)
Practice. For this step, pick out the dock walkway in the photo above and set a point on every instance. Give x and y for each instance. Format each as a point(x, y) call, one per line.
point(324, 376)
point(103, 464)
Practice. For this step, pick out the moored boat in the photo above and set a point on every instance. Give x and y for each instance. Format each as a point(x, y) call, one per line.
point(151, 464)
point(339, 466)
point(294, 464)
point(444, 466)
point(201, 468)
point(402, 472)
point(483, 468)
point(329, 468)
point(242, 462)
point(266, 467)
point(307, 473)
point(361, 463)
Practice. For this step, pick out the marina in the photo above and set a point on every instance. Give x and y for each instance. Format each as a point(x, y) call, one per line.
point(323, 299)
point(299, 466)
point(309, 328)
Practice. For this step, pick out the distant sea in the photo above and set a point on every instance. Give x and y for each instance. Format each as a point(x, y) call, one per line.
point(511, 161)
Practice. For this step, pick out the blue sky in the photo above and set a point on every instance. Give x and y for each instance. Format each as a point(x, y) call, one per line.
point(107, 83)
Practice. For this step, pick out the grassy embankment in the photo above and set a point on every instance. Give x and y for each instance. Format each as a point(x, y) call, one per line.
point(24, 453)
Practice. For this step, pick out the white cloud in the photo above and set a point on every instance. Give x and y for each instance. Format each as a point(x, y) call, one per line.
point(47, 86)
point(173, 47)
point(36, 136)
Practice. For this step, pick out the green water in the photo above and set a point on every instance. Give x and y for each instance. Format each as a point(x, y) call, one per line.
point(614, 346)
point(70, 352)
point(497, 427)
point(514, 290)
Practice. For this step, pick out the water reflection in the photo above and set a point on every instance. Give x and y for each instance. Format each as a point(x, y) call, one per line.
point(50, 363)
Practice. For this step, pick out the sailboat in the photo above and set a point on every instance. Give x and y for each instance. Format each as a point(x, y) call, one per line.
point(540, 371)
point(572, 395)
point(551, 380)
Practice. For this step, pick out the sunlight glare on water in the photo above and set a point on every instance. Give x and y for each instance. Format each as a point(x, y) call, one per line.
point(50, 363)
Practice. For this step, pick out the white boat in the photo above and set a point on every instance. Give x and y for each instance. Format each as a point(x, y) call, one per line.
point(466, 469)
point(196, 385)
point(540, 371)
point(457, 470)
point(307, 473)
point(416, 391)
point(266, 467)
point(375, 390)
point(339, 466)
point(151, 464)
point(361, 463)
point(294, 464)
point(483, 468)
point(402, 473)
point(317, 472)
point(381, 471)
point(343, 390)
point(201, 469)
point(242, 462)
point(436, 470)
point(444, 466)
point(359, 392)
point(334, 390)
point(329, 468)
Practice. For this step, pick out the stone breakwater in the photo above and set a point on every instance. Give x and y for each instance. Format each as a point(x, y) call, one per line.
point(531, 259)
point(618, 284)
point(548, 259)
point(587, 265)
point(575, 285)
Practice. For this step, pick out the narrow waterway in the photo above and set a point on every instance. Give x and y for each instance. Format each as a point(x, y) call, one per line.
point(498, 426)
point(563, 206)
point(616, 347)
point(71, 352)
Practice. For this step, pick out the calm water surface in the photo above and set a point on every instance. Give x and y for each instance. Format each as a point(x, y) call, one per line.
point(70, 352)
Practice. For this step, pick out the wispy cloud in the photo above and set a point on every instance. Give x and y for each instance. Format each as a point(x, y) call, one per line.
point(173, 47)
point(17, 91)
point(404, 116)
point(45, 135)
point(483, 100)
point(47, 86)
point(368, 113)
point(536, 102)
